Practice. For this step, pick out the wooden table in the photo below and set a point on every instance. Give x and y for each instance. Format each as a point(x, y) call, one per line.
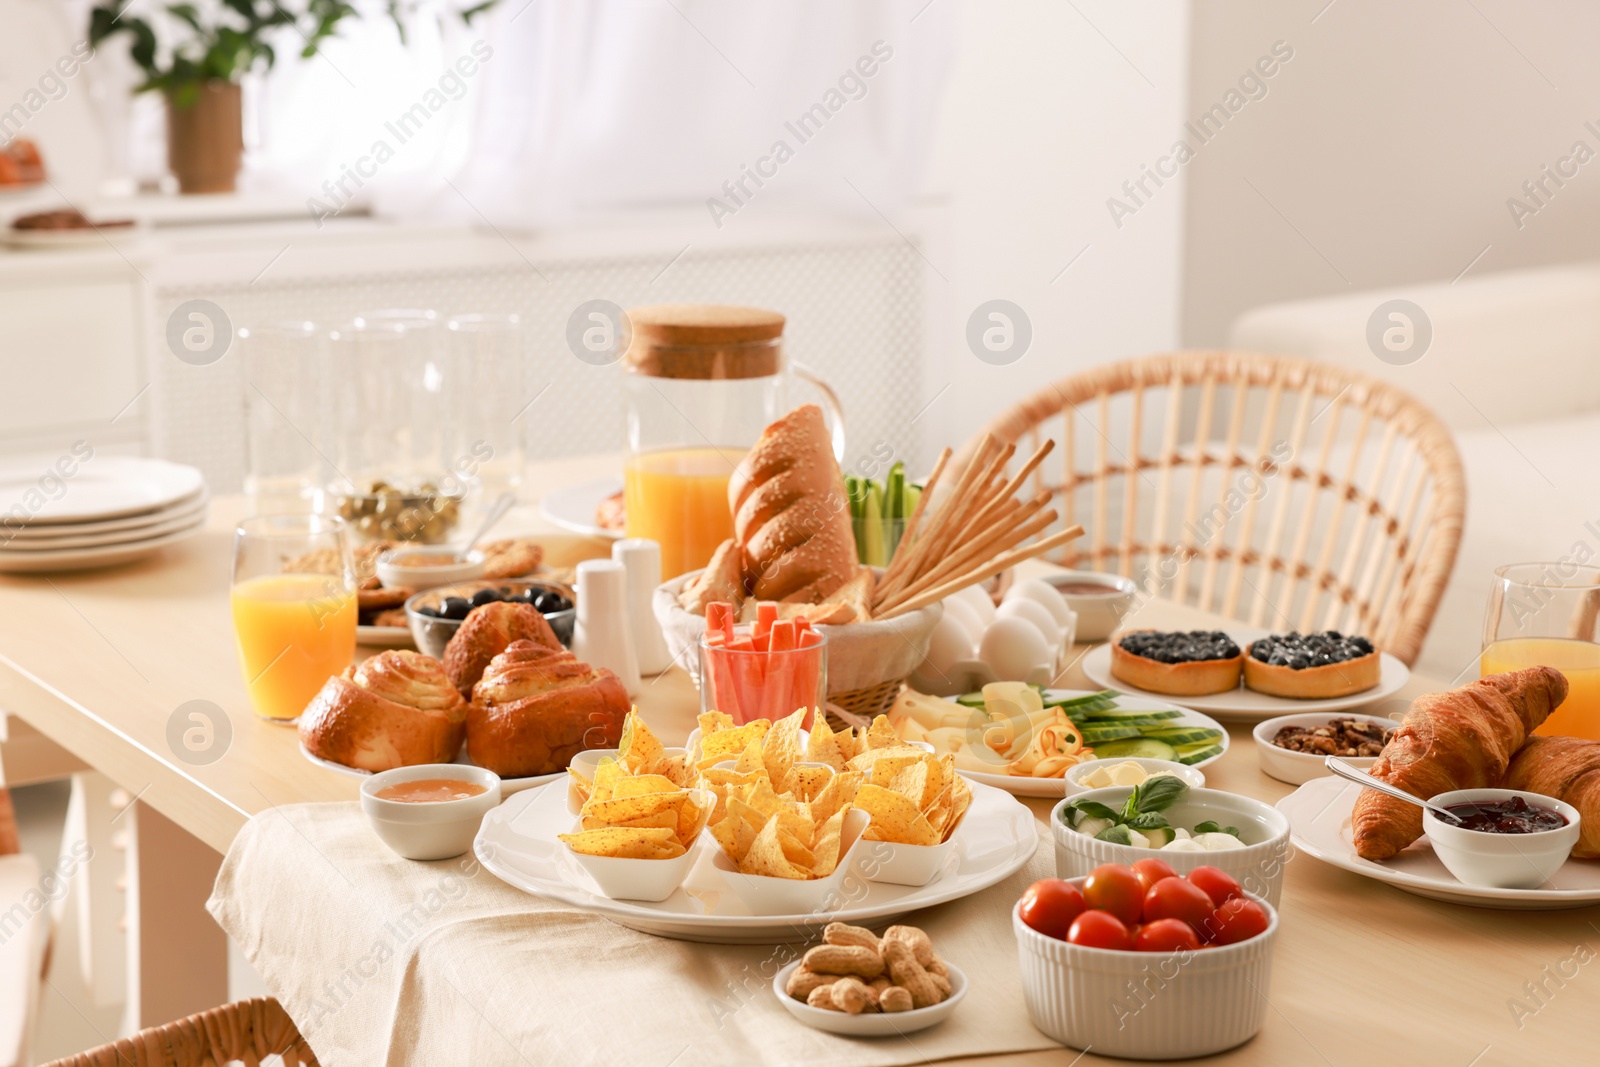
point(100, 663)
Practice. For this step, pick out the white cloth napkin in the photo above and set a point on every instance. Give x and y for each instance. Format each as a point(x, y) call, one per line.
point(381, 960)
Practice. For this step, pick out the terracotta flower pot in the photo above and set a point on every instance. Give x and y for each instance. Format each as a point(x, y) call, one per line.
point(205, 139)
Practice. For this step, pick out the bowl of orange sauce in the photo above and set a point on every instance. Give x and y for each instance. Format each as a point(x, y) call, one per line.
point(430, 811)
point(427, 566)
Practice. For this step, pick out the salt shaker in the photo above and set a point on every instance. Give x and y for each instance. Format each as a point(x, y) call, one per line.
point(602, 635)
point(642, 559)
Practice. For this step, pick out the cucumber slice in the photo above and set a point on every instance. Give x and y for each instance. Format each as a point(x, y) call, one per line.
point(1106, 697)
point(1134, 748)
point(1144, 723)
point(1194, 755)
point(1094, 735)
point(970, 700)
point(1184, 735)
point(1115, 714)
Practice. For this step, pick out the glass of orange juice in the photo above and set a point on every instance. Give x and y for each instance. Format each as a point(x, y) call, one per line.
point(294, 631)
point(1544, 614)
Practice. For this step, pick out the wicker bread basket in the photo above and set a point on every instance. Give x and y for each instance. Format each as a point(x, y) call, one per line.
point(867, 661)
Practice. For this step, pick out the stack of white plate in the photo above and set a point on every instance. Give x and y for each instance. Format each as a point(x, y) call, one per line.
point(107, 510)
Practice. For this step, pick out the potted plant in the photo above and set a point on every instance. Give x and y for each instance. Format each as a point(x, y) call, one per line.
point(199, 57)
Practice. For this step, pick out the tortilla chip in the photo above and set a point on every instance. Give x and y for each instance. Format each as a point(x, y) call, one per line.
point(667, 819)
point(806, 782)
point(646, 843)
point(638, 785)
point(638, 747)
point(605, 779)
point(910, 781)
point(881, 735)
point(840, 791)
point(735, 836)
point(624, 809)
point(780, 749)
point(712, 722)
point(895, 817)
point(864, 761)
point(584, 785)
point(825, 848)
point(751, 760)
point(766, 856)
point(821, 746)
point(725, 744)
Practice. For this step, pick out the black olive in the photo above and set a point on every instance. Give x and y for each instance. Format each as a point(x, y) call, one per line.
point(456, 608)
point(429, 610)
point(484, 596)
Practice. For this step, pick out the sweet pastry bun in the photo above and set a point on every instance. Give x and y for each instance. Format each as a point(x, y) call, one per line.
point(486, 632)
point(1196, 671)
point(396, 709)
point(535, 708)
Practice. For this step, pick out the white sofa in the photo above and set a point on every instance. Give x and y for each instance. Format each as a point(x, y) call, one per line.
point(1513, 369)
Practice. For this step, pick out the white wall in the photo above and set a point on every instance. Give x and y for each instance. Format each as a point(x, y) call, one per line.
point(1051, 107)
point(1387, 149)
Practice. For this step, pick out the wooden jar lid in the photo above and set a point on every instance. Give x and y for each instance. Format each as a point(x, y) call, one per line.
point(703, 341)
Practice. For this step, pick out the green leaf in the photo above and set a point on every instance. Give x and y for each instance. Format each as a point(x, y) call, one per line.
point(473, 12)
point(1116, 835)
point(1094, 809)
point(186, 14)
point(1149, 820)
point(1211, 827)
point(1155, 794)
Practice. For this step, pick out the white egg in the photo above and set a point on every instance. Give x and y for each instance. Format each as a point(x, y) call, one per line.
point(961, 612)
point(976, 599)
point(1042, 592)
point(1034, 613)
point(949, 645)
point(1012, 647)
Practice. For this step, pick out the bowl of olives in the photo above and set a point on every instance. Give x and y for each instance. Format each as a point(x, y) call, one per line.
point(436, 614)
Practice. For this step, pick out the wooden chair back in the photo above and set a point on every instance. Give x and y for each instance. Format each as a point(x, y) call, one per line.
point(1283, 493)
point(247, 1031)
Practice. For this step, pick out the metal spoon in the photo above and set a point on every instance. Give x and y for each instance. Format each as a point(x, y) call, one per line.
point(1361, 777)
point(497, 511)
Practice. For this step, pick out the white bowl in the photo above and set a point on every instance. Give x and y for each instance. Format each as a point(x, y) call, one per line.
point(1258, 867)
point(766, 895)
point(1193, 775)
point(1501, 861)
point(1297, 768)
point(1098, 615)
point(637, 879)
point(429, 830)
point(871, 1024)
point(394, 576)
point(587, 763)
point(898, 864)
point(1146, 1005)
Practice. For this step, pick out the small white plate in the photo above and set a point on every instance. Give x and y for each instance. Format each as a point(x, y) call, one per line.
point(1297, 768)
point(573, 508)
point(1319, 815)
point(871, 1024)
point(507, 785)
point(103, 487)
point(74, 559)
point(385, 637)
point(1247, 705)
point(109, 539)
point(189, 507)
point(1057, 787)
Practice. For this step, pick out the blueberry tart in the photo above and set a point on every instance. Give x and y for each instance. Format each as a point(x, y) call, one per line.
point(1177, 663)
point(1311, 666)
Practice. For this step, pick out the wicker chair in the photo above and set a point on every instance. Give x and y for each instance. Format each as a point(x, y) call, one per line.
point(1272, 490)
point(247, 1031)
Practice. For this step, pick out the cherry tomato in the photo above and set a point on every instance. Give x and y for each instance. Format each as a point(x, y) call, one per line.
point(1115, 888)
point(1218, 885)
point(1238, 920)
point(1152, 870)
point(1174, 898)
point(1049, 906)
point(1099, 929)
point(1166, 935)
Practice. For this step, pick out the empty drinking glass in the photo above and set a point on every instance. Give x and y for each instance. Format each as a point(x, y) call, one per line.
point(284, 430)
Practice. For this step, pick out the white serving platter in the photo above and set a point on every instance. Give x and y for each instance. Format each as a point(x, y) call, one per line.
point(1057, 787)
point(1319, 814)
point(1247, 705)
point(573, 508)
point(517, 842)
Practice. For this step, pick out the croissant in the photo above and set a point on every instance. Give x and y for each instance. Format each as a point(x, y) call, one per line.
point(1567, 769)
point(485, 634)
point(535, 708)
point(1462, 739)
point(396, 709)
point(790, 512)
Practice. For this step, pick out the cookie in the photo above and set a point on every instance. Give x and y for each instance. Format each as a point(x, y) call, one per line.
point(511, 557)
point(381, 599)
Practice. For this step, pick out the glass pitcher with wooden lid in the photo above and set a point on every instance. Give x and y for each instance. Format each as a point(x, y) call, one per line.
point(702, 382)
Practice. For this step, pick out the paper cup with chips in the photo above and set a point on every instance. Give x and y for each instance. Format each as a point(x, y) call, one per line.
point(586, 765)
point(641, 843)
point(916, 802)
point(774, 879)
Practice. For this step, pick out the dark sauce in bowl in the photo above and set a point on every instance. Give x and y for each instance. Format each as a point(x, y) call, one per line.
point(1514, 816)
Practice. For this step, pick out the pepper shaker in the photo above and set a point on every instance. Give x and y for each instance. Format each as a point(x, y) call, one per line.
point(642, 559)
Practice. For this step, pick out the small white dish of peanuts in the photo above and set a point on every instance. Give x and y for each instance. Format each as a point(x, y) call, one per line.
point(858, 984)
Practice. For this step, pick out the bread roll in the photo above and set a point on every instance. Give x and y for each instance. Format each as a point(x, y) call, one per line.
point(396, 709)
point(535, 708)
point(790, 512)
point(486, 632)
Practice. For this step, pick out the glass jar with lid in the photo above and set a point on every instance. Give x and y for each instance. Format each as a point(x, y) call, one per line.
point(702, 382)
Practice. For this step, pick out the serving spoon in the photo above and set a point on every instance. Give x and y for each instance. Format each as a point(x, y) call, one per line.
point(497, 511)
point(1361, 777)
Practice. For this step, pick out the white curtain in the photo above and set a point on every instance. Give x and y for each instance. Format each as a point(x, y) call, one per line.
point(552, 111)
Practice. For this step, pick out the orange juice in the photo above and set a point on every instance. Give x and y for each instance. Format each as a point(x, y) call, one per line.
point(294, 633)
point(1579, 714)
point(679, 497)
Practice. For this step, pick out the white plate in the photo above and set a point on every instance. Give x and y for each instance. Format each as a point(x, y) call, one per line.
point(103, 487)
point(573, 508)
point(1319, 825)
point(79, 559)
point(518, 843)
point(871, 1024)
point(1057, 787)
point(385, 637)
point(50, 239)
point(45, 532)
point(507, 785)
point(1247, 705)
point(19, 546)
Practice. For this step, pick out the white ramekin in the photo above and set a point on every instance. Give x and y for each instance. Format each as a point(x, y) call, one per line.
point(1501, 861)
point(429, 831)
point(1258, 866)
point(1146, 1005)
point(1298, 768)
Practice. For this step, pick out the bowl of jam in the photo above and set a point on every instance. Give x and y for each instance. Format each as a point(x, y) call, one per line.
point(1502, 839)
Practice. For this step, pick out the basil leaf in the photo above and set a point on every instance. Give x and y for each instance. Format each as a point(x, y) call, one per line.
point(1117, 835)
point(1207, 827)
point(1093, 809)
point(1149, 820)
point(1158, 793)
